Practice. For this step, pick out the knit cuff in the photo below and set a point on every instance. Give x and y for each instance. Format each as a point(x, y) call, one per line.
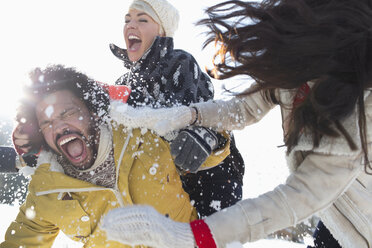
point(202, 234)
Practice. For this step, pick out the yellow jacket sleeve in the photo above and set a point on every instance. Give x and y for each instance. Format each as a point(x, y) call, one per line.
point(29, 230)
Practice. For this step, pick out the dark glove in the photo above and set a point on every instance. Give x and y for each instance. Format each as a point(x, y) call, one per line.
point(192, 147)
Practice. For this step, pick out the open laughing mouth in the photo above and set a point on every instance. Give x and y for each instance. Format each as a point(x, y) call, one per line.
point(73, 147)
point(134, 43)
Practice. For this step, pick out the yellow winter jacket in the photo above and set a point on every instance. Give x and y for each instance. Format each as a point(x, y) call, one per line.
point(145, 174)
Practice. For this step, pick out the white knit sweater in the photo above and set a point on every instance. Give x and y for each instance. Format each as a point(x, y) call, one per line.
point(328, 181)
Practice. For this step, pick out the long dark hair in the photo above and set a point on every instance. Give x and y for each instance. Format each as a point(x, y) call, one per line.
point(283, 44)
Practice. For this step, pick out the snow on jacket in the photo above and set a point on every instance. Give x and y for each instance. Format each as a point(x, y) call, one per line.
point(164, 76)
point(328, 181)
point(145, 174)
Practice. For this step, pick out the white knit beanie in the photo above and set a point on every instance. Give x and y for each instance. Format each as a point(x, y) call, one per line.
point(163, 13)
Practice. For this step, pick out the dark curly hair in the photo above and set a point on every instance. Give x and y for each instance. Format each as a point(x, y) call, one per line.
point(58, 77)
point(282, 44)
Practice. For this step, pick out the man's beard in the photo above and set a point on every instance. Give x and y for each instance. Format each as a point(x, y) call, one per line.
point(91, 143)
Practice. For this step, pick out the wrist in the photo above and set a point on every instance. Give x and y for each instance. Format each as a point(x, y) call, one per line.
point(202, 234)
point(194, 115)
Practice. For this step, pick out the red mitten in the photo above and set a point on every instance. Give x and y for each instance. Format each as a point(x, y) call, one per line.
point(117, 92)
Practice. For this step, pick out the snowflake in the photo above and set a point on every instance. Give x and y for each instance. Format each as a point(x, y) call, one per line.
point(216, 205)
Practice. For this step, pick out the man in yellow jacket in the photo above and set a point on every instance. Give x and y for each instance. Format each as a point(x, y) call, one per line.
point(90, 164)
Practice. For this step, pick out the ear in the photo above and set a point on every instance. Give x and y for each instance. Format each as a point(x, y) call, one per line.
point(95, 118)
point(161, 31)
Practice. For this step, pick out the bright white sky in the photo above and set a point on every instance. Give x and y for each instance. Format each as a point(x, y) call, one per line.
point(78, 33)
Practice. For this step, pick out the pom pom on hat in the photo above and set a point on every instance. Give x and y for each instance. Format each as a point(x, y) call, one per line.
point(162, 12)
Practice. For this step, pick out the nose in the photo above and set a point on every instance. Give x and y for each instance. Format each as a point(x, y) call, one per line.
point(59, 127)
point(131, 24)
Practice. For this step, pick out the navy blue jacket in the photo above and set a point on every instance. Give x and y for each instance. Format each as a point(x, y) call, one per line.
point(166, 77)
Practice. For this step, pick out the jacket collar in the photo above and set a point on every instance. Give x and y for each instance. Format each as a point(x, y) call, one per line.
point(45, 181)
point(159, 48)
point(49, 172)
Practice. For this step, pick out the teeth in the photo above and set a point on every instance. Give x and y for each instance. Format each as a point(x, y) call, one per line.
point(66, 140)
point(133, 37)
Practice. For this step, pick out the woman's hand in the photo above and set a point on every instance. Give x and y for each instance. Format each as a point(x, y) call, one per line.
point(143, 225)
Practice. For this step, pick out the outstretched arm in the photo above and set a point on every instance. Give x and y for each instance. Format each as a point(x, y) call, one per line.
point(235, 113)
point(318, 182)
point(143, 225)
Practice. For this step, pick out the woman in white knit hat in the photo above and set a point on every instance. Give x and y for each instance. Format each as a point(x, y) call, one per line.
point(145, 20)
point(162, 76)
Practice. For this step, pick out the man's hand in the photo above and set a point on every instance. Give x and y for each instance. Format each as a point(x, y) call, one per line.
point(192, 147)
point(162, 121)
point(143, 225)
point(27, 138)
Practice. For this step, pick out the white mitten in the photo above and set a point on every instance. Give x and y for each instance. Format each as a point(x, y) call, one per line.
point(143, 225)
point(162, 121)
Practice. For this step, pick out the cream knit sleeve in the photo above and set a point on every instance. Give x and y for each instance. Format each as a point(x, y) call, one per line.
point(236, 113)
point(313, 187)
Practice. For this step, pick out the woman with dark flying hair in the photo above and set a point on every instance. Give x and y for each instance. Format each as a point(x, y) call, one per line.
point(313, 58)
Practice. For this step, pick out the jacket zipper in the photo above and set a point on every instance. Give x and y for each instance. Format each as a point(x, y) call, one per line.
point(116, 190)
